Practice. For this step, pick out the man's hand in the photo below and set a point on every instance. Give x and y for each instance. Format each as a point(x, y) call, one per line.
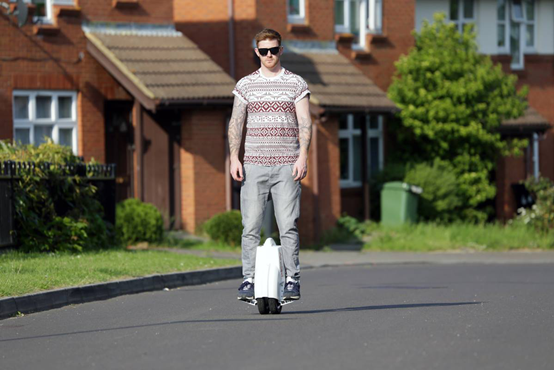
point(300, 169)
point(236, 170)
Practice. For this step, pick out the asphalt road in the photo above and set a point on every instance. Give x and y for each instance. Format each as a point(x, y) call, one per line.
point(418, 316)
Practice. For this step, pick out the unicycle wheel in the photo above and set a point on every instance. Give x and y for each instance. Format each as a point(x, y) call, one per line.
point(263, 306)
point(274, 306)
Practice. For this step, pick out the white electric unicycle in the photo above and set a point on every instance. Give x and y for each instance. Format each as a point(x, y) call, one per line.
point(269, 277)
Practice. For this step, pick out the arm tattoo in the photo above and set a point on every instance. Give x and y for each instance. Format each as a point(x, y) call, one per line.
point(236, 125)
point(305, 132)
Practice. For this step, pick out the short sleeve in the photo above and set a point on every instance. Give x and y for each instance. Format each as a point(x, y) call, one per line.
point(240, 91)
point(301, 91)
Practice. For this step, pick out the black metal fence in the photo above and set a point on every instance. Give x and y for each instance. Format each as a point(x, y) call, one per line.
point(101, 176)
point(6, 204)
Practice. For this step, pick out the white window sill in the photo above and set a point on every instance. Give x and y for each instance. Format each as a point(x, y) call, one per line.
point(43, 20)
point(530, 50)
point(291, 19)
point(349, 184)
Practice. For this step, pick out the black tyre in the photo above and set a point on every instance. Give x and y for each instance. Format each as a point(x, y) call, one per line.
point(274, 306)
point(263, 306)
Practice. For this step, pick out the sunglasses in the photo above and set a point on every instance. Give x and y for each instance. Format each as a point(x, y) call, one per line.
point(274, 51)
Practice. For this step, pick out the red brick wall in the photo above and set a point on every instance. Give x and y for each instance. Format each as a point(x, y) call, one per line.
point(206, 24)
point(52, 63)
point(328, 172)
point(396, 39)
point(202, 165)
point(509, 170)
point(146, 11)
point(538, 75)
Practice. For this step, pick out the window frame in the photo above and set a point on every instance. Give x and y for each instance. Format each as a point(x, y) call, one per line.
point(461, 21)
point(297, 19)
point(349, 133)
point(507, 22)
point(49, 17)
point(364, 6)
point(58, 123)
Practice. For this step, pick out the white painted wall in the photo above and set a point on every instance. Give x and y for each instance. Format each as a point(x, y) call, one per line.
point(486, 26)
point(545, 27)
point(426, 8)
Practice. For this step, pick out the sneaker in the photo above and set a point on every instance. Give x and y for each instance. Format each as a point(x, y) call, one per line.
point(246, 291)
point(292, 290)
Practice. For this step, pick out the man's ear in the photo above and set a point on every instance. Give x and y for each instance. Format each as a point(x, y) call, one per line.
point(257, 52)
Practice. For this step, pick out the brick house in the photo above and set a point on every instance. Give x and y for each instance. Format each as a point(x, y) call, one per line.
point(155, 77)
point(346, 105)
point(116, 82)
point(372, 35)
point(527, 52)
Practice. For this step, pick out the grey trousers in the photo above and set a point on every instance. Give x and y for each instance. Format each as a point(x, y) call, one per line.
point(258, 183)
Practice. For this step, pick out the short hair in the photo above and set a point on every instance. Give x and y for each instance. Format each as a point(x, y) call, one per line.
point(268, 34)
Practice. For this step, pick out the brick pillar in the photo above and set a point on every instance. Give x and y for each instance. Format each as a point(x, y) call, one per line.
point(202, 165)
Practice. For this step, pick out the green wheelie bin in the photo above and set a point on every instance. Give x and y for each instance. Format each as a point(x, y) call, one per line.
point(399, 203)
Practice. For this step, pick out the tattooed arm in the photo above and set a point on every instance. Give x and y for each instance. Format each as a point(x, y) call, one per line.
point(304, 136)
point(234, 134)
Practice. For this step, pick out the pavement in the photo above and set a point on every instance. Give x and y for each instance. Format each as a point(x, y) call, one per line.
point(346, 255)
point(343, 255)
point(454, 316)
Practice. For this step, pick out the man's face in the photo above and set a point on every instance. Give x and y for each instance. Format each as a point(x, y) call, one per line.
point(269, 60)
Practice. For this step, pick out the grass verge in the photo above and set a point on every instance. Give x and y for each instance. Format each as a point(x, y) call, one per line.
point(23, 273)
point(192, 244)
point(430, 237)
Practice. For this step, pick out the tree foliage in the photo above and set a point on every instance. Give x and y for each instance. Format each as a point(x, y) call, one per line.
point(452, 102)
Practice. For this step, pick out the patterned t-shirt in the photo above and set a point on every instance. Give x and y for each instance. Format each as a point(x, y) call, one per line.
point(271, 126)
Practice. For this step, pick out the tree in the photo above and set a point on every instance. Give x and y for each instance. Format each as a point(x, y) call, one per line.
point(452, 101)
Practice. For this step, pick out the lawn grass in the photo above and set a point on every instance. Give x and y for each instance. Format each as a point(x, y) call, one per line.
point(192, 244)
point(22, 273)
point(424, 237)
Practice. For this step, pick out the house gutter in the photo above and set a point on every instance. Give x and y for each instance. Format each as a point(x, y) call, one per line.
point(230, 6)
point(536, 173)
point(228, 182)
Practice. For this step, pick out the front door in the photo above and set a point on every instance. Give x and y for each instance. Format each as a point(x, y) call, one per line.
point(161, 158)
point(119, 145)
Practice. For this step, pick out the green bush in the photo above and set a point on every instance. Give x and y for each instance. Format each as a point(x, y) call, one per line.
point(225, 227)
point(541, 215)
point(54, 211)
point(440, 200)
point(136, 221)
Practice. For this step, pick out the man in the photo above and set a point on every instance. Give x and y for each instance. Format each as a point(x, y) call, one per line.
point(279, 129)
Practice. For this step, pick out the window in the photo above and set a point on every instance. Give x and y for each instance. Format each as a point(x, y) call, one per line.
point(351, 147)
point(39, 115)
point(516, 29)
point(462, 13)
point(43, 8)
point(296, 11)
point(358, 17)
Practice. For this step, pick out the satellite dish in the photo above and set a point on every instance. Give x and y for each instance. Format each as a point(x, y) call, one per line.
point(22, 12)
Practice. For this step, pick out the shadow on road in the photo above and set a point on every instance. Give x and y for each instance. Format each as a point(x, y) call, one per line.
point(133, 327)
point(386, 307)
point(402, 287)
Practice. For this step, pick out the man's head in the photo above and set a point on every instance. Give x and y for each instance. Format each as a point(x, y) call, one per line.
point(269, 48)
